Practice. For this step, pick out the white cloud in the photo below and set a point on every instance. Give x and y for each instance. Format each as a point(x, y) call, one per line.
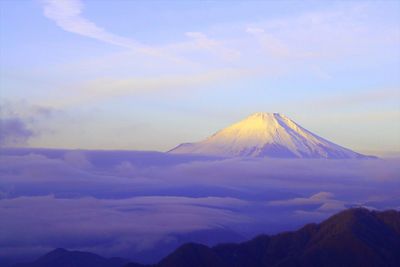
point(274, 47)
point(67, 15)
point(317, 198)
point(325, 201)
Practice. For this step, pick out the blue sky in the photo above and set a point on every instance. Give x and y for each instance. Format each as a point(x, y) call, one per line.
point(148, 75)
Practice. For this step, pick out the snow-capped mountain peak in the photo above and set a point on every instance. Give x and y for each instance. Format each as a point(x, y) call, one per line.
point(266, 135)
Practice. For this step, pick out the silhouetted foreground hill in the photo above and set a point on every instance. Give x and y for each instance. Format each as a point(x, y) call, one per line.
point(64, 258)
point(354, 237)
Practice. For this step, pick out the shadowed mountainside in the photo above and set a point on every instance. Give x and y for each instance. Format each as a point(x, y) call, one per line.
point(64, 258)
point(354, 237)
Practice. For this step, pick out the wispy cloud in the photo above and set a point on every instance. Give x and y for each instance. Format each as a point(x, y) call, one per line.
point(276, 47)
point(323, 200)
point(14, 131)
point(283, 53)
point(200, 41)
point(18, 121)
point(307, 41)
point(104, 88)
point(364, 97)
point(67, 14)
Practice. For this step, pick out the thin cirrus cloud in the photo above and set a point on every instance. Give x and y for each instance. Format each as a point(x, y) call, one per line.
point(305, 38)
point(101, 89)
point(274, 47)
point(365, 97)
point(67, 14)
point(282, 45)
point(325, 34)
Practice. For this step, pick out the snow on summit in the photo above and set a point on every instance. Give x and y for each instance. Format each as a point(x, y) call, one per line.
point(267, 135)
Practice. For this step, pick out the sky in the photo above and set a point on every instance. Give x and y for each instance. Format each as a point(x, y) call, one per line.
point(148, 75)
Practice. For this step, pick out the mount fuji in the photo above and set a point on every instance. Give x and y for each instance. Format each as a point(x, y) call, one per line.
point(267, 135)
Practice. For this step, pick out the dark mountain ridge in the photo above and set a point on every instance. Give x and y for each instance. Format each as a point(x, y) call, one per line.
point(64, 258)
point(354, 237)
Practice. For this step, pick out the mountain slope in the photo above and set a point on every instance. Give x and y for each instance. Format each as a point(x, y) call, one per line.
point(266, 135)
point(355, 237)
point(64, 258)
point(352, 238)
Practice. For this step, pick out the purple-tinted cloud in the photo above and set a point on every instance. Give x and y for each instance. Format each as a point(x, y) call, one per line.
point(123, 203)
point(17, 127)
point(109, 224)
point(14, 131)
point(324, 201)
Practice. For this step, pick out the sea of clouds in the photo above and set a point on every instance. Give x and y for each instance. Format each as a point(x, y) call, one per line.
point(141, 205)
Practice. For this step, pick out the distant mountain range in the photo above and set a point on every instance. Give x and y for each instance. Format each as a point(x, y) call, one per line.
point(65, 258)
point(353, 238)
point(267, 135)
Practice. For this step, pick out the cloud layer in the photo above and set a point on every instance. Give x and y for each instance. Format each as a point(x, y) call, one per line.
point(133, 204)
